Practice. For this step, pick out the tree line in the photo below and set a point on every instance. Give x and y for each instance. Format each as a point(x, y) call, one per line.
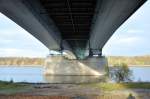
point(112, 60)
point(130, 60)
point(21, 61)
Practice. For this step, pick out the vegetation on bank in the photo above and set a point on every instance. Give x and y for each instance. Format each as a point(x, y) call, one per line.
point(112, 60)
point(120, 73)
point(119, 86)
point(11, 88)
point(121, 76)
point(21, 61)
point(132, 60)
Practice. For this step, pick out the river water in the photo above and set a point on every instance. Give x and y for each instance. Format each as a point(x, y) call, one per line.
point(35, 74)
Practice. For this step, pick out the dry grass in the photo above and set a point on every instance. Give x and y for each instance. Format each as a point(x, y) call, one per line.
point(12, 88)
point(108, 96)
point(62, 97)
point(118, 86)
point(32, 97)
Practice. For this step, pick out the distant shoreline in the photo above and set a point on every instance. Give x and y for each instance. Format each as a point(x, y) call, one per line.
point(43, 66)
point(139, 65)
point(134, 66)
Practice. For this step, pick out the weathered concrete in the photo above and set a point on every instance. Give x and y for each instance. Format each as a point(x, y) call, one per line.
point(59, 65)
point(76, 79)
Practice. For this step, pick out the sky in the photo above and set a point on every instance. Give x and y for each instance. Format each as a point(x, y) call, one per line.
point(16, 42)
point(131, 39)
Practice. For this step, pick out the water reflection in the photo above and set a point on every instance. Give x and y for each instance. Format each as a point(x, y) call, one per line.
point(141, 74)
point(35, 74)
point(73, 79)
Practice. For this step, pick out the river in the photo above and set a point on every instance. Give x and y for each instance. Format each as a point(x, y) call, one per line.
point(35, 74)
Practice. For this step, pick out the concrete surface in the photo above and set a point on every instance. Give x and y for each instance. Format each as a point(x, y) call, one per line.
point(59, 65)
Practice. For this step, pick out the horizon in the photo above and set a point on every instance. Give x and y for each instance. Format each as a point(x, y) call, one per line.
point(45, 56)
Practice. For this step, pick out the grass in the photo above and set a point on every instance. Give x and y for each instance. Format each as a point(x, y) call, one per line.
point(11, 88)
point(119, 86)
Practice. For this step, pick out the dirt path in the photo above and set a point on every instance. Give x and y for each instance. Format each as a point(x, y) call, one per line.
point(62, 90)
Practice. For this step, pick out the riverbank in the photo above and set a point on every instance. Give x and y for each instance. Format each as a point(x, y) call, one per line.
point(43, 66)
point(120, 86)
point(10, 90)
point(133, 65)
point(112, 60)
point(139, 65)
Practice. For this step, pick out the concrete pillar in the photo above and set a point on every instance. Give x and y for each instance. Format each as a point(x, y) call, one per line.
point(59, 65)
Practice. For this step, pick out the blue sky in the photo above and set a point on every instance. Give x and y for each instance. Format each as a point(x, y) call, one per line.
point(15, 41)
point(131, 39)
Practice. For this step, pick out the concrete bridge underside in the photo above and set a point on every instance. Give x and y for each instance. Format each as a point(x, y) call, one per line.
point(77, 26)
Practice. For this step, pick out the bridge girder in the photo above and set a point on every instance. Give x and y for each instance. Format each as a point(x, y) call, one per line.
point(109, 16)
point(28, 16)
point(71, 25)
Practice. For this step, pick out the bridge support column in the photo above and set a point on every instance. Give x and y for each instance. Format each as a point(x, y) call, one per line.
point(59, 65)
point(93, 52)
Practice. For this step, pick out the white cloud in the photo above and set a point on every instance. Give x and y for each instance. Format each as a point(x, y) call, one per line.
point(129, 40)
point(119, 40)
point(15, 41)
point(122, 45)
point(135, 31)
point(133, 36)
point(7, 52)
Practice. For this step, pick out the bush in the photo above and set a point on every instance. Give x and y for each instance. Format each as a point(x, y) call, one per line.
point(121, 73)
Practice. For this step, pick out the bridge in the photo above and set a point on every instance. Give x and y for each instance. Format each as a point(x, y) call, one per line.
point(78, 27)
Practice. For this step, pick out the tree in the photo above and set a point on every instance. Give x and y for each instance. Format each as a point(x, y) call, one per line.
point(121, 73)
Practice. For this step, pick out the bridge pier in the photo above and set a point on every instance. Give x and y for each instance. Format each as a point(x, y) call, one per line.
point(59, 65)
